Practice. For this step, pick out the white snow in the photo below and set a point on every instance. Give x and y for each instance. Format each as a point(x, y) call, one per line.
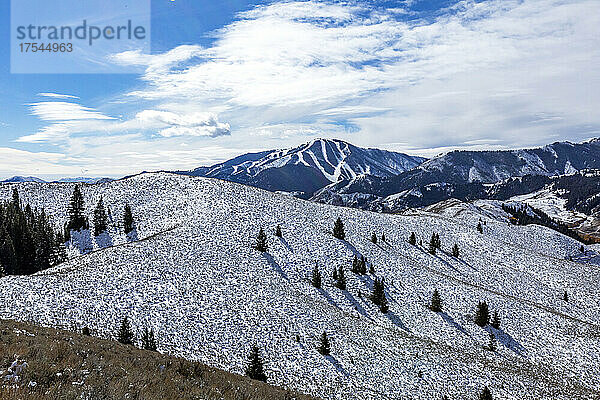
point(194, 277)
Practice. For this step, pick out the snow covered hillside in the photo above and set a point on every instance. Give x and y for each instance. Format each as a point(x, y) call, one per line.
point(192, 274)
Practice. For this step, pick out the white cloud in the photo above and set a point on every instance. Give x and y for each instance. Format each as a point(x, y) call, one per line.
point(191, 124)
point(64, 111)
point(57, 96)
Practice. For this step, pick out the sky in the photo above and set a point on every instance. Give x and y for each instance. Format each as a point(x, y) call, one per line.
point(233, 76)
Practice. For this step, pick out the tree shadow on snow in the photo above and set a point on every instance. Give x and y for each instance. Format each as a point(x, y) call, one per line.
point(350, 247)
point(103, 240)
point(82, 240)
point(275, 266)
point(507, 341)
point(286, 244)
point(337, 365)
point(396, 321)
point(450, 321)
point(132, 236)
point(328, 298)
point(357, 306)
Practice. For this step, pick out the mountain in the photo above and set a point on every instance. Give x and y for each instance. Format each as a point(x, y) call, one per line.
point(304, 169)
point(19, 179)
point(90, 181)
point(458, 173)
point(192, 275)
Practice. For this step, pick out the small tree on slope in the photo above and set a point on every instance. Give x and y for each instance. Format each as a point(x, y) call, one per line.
point(482, 315)
point(255, 369)
point(316, 277)
point(374, 238)
point(324, 345)
point(492, 342)
point(378, 296)
point(455, 252)
point(100, 218)
point(495, 320)
point(76, 211)
point(125, 334)
point(148, 341)
point(261, 241)
point(485, 394)
point(436, 302)
point(278, 231)
point(127, 219)
point(412, 239)
point(338, 229)
point(341, 279)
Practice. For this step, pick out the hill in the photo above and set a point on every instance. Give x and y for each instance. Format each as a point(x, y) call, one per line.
point(69, 365)
point(193, 276)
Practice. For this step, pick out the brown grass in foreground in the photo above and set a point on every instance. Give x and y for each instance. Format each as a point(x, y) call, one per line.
point(68, 365)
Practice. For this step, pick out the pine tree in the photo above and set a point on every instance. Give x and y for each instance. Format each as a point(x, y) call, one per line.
point(335, 274)
point(383, 237)
point(582, 249)
point(378, 295)
point(255, 369)
point(482, 315)
point(324, 345)
point(495, 320)
point(566, 296)
point(412, 239)
point(355, 265)
point(86, 331)
point(436, 302)
point(338, 229)
point(148, 341)
point(278, 231)
point(76, 211)
point(432, 244)
point(100, 218)
point(362, 266)
point(455, 252)
point(261, 241)
point(479, 227)
point(15, 198)
point(371, 269)
point(127, 219)
point(492, 342)
point(316, 277)
point(485, 394)
point(125, 334)
point(374, 238)
point(341, 279)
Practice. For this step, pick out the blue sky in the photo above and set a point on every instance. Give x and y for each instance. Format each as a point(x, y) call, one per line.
point(234, 76)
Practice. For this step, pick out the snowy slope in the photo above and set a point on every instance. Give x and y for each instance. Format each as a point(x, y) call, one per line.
point(309, 167)
point(194, 277)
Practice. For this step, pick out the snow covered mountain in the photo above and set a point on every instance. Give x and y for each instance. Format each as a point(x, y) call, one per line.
point(193, 276)
point(304, 169)
point(461, 171)
point(91, 181)
point(17, 179)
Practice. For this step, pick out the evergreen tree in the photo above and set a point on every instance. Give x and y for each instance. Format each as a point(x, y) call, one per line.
point(127, 219)
point(86, 331)
point(316, 277)
point(335, 274)
point(341, 279)
point(412, 239)
point(492, 342)
point(362, 265)
point(100, 218)
point(374, 238)
point(432, 244)
point(436, 302)
point(495, 320)
point(479, 227)
point(76, 211)
point(278, 231)
point(15, 198)
point(324, 345)
point(582, 249)
point(378, 295)
point(255, 369)
point(148, 341)
point(338, 229)
point(455, 252)
point(355, 265)
point(125, 334)
point(383, 237)
point(485, 394)
point(261, 241)
point(482, 315)
point(371, 269)
point(566, 296)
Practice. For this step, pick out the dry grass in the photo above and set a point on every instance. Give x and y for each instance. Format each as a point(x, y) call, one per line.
point(68, 365)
